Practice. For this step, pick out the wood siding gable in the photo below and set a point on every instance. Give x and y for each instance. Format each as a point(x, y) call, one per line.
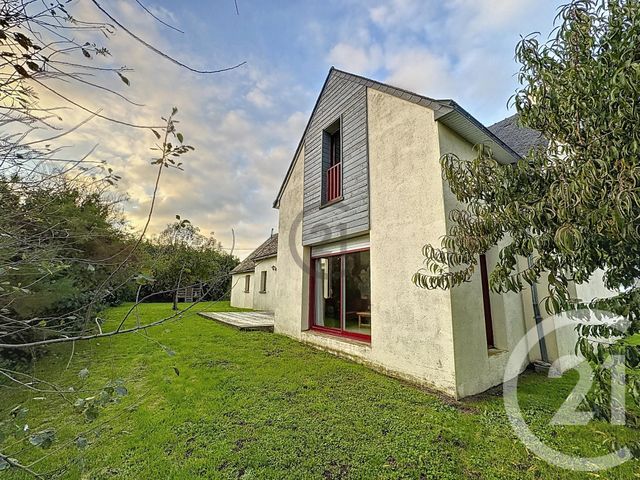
point(346, 100)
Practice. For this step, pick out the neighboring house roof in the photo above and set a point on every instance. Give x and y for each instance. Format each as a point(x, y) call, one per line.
point(267, 250)
point(446, 111)
point(520, 139)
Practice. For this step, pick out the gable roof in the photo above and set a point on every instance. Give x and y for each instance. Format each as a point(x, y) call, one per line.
point(446, 111)
point(268, 249)
point(520, 139)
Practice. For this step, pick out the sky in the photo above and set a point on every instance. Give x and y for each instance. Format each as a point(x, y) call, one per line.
point(245, 124)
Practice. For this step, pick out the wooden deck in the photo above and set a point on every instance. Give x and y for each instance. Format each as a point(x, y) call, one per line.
point(243, 320)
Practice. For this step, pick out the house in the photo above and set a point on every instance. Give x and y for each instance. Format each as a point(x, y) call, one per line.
point(253, 281)
point(363, 194)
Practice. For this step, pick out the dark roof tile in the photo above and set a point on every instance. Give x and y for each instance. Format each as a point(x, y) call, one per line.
point(268, 249)
point(520, 139)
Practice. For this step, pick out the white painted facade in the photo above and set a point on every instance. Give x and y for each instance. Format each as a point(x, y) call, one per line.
point(256, 298)
point(264, 298)
point(434, 338)
point(240, 298)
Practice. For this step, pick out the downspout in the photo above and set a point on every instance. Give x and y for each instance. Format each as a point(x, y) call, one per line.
point(538, 318)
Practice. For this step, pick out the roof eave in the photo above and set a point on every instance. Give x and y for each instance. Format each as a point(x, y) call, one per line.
point(501, 151)
point(242, 271)
point(445, 111)
point(276, 203)
point(264, 257)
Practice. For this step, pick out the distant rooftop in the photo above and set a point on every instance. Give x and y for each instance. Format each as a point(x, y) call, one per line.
point(268, 249)
point(520, 139)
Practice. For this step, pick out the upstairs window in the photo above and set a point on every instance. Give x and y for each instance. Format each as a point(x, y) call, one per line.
point(334, 145)
point(332, 162)
point(263, 281)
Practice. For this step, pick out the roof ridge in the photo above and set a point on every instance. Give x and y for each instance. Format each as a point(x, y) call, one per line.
point(267, 249)
point(448, 111)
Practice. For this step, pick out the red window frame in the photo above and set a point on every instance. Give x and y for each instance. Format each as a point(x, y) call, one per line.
point(312, 299)
point(333, 172)
point(334, 183)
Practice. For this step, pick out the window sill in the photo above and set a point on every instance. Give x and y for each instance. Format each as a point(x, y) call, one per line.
point(247, 291)
point(262, 291)
point(354, 339)
point(328, 204)
point(493, 352)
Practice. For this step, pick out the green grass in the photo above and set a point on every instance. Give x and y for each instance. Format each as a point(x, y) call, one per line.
point(257, 405)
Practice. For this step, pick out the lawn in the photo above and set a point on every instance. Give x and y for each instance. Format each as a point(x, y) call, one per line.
point(207, 401)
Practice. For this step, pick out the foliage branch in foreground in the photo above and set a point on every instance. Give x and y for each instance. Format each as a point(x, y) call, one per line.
point(572, 209)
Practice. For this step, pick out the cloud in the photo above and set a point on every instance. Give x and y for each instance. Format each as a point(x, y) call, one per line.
point(245, 124)
point(259, 98)
point(420, 69)
point(410, 14)
point(244, 139)
point(358, 59)
point(460, 49)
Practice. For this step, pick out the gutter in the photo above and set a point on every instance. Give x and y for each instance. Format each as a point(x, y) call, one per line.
point(538, 319)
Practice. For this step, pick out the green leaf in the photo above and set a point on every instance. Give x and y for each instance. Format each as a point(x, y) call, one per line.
point(121, 391)
point(125, 80)
point(180, 137)
point(81, 442)
point(633, 340)
point(19, 412)
point(43, 439)
point(91, 413)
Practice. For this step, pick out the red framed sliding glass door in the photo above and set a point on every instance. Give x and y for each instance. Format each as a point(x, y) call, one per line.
point(341, 294)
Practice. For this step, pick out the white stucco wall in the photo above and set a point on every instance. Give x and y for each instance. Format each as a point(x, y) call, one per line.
point(594, 288)
point(292, 287)
point(265, 301)
point(411, 328)
point(239, 298)
point(435, 338)
point(477, 367)
point(411, 334)
point(560, 342)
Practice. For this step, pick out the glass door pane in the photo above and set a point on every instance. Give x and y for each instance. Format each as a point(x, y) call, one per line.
point(328, 292)
point(357, 286)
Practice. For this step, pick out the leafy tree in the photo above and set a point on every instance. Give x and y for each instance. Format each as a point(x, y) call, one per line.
point(181, 256)
point(184, 233)
point(69, 240)
point(574, 207)
point(38, 49)
point(62, 251)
